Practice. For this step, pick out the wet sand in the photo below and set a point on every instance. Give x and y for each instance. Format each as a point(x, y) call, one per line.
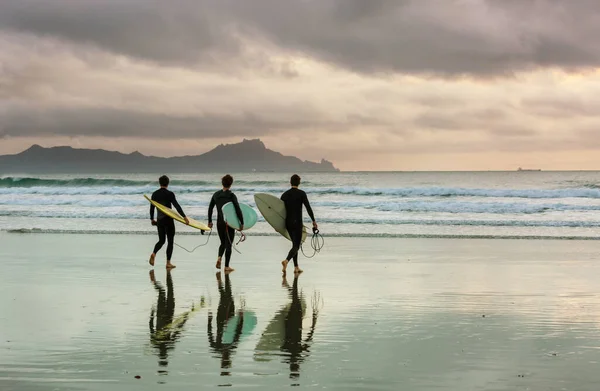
point(83, 312)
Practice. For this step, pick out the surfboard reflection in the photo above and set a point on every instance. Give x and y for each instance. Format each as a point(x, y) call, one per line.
point(231, 326)
point(165, 328)
point(284, 332)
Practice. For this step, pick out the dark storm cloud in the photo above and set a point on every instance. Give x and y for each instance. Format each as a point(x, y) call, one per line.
point(108, 122)
point(450, 37)
point(148, 29)
point(121, 123)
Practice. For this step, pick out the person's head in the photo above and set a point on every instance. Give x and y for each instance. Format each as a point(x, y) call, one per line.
point(295, 180)
point(163, 181)
point(227, 181)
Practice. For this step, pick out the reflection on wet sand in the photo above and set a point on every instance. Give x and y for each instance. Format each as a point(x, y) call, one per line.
point(230, 326)
point(284, 332)
point(168, 329)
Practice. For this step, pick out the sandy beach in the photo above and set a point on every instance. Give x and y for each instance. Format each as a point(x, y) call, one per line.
point(82, 312)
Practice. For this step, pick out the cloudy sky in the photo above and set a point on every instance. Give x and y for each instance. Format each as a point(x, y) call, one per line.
point(367, 84)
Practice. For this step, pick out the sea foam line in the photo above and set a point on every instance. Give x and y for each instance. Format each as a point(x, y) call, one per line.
point(26, 231)
point(444, 192)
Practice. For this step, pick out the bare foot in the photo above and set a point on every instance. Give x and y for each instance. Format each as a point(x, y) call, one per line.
point(229, 270)
point(297, 270)
point(151, 260)
point(284, 264)
point(218, 265)
point(170, 265)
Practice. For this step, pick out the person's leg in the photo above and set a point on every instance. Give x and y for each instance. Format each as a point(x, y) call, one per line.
point(230, 238)
point(222, 231)
point(295, 232)
point(297, 241)
point(161, 240)
point(170, 231)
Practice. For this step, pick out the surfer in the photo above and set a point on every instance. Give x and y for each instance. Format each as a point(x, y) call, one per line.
point(226, 233)
point(165, 224)
point(293, 199)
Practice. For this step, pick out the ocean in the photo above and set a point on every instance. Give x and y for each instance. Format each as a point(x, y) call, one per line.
point(555, 205)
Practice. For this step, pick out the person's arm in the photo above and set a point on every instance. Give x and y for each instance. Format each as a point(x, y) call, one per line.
point(152, 211)
point(238, 211)
point(211, 207)
point(309, 209)
point(178, 207)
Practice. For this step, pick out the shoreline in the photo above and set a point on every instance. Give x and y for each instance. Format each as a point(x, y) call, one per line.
point(30, 231)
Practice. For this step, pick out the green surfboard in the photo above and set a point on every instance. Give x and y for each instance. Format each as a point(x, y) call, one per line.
point(230, 216)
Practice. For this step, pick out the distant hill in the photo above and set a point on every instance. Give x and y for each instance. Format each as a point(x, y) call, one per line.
point(247, 156)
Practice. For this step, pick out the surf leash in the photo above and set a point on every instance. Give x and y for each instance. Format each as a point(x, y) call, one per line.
point(242, 238)
point(200, 245)
point(317, 242)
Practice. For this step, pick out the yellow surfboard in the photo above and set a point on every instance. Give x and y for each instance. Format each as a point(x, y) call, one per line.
point(175, 216)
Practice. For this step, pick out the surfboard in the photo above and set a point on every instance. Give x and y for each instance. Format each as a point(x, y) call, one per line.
point(273, 210)
point(176, 216)
point(230, 216)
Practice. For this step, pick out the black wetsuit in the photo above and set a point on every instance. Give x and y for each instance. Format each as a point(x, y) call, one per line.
point(165, 224)
point(226, 233)
point(293, 199)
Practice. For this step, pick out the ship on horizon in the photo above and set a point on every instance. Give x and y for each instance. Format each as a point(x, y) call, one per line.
point(529, 169)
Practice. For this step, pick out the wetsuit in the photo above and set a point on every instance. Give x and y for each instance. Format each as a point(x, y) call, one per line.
point(293, 199)
point(165, 224)
point(226, 233)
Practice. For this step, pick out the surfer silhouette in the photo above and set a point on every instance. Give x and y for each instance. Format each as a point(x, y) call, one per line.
point(226, 233)
point(164, 331)
point(164, 223)
point(293, 199)
point(283, 334)
point(295, 348)
point(225, 343)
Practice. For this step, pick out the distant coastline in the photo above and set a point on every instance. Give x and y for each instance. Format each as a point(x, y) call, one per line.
point(246, 156)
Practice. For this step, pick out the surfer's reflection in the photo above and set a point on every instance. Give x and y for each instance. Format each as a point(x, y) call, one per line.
point(284, 332)
point(296, 348)
point(166, 330)
point(229, 326)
